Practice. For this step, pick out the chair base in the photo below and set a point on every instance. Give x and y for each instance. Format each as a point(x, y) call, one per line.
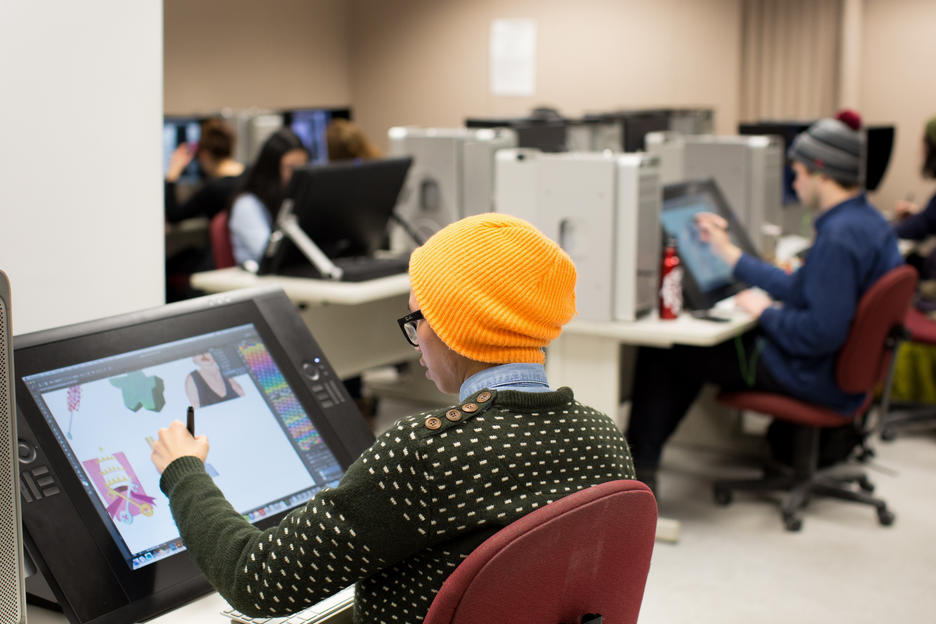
point(912, 419)
point(800, 490)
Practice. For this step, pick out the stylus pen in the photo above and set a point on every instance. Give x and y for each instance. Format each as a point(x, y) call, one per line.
point(190, 420)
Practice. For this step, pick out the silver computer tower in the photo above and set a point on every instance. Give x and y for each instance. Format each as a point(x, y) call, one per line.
point(604, 210)
point(747, 169)
point(452, 176)
point(692, 120)
point(253, 127)
point(12, 575)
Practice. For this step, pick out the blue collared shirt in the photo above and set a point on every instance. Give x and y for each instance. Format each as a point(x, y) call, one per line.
point(516, 376)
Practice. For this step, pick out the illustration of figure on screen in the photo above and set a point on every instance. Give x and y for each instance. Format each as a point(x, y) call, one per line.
point(207, 385)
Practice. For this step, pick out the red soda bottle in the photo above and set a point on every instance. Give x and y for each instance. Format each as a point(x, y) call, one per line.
point(671, 301)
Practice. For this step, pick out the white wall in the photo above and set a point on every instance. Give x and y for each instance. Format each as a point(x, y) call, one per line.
point(246, 53)
point(80, 140)
point(897, 88)
point(425, 62)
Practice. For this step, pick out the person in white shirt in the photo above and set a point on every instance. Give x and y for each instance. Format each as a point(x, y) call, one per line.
point(258, 200)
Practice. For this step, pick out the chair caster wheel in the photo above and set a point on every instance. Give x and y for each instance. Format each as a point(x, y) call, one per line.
point(888, 434)
point(865, 484)
point(886, 517)
point(723, 497)
point(792, 523)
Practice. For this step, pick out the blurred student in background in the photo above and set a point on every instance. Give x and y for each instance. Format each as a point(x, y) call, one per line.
point(262, 191)
point(214, 152)
point(917, 222)
point(346, 141)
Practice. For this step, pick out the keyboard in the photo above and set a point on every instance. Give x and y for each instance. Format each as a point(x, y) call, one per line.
point(336, 609)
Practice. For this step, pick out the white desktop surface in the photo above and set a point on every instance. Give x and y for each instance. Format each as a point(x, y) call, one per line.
point(204, 610)
point(587, 355)
point(305, 290)
point(353, 322)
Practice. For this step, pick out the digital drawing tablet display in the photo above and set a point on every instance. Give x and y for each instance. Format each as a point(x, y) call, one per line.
point(707, 278)
point(105, 414)
point(91, 399)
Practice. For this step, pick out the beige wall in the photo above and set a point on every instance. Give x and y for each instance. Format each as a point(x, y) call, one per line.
point(898, 46)
point(244, 53)
point(426, 62)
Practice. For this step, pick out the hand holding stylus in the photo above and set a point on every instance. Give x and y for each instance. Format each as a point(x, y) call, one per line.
point(713, 230)
point(174, 442)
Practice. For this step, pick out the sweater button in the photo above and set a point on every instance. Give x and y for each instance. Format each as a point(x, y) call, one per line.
point(484, 397)
point(470, 408)
point(454, 415)
point(433, 423)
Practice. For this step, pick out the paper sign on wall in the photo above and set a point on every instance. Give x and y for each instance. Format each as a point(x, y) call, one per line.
point(513, 57)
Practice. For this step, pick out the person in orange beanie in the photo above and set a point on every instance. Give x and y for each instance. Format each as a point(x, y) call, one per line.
point(489, 293)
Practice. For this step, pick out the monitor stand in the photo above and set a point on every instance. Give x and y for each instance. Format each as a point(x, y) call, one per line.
point(38, 591)
point(287, 225)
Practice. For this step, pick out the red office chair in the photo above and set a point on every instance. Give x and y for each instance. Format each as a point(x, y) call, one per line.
point(579, 559)
point(221, 249)
point(922, 330)
point(864, 360)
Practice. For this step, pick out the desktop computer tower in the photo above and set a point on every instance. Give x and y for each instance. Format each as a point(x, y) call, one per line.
point(12, 573)
point(252, 127)
point(604, 210)
point(747, 169)
point(452, 176)
point(692, 120)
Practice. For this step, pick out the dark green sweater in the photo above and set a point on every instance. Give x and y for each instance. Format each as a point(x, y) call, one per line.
point(408, 511)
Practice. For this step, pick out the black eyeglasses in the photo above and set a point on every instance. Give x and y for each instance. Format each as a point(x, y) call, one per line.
point(408, 326)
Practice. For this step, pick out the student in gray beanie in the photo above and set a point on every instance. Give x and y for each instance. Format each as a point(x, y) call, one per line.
point(794, 346)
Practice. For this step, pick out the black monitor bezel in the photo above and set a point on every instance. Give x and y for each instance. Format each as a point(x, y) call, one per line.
point(694, 298)
point(118, 593)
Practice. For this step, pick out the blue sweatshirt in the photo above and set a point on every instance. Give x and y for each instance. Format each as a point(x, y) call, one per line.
point(920, 225)
point(854, 246)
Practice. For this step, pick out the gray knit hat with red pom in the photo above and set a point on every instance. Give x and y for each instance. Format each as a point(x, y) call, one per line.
point(833, 147)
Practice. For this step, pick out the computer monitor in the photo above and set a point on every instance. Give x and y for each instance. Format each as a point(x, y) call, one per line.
point(91, 399)
point(637, 124)
point(706, 278)
point(547, 134)
point(309, 124)
point(343, 207)
point(176, 131)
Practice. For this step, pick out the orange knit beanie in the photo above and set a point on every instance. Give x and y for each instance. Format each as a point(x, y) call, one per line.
point(494, 288)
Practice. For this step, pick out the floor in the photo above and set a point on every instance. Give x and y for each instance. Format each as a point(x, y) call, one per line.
point(738, 564)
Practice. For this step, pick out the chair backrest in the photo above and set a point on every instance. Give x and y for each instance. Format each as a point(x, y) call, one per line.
point(863, 358)
point(586, 553)
point(221, 249)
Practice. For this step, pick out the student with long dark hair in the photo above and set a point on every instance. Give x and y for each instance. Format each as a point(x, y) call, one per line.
point(258, 200)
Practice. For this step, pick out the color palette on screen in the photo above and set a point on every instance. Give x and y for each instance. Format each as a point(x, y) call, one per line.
point(274, 386)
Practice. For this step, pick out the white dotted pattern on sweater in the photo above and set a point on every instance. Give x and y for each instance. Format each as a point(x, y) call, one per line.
point(476, 476)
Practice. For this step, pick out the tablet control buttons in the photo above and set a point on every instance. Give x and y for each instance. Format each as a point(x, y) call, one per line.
point(38, 483)
point(27, 452)
point(311, 370)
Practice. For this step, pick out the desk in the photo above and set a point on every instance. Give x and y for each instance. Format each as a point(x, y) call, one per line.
point(188, 233)
point(353, 322)
point(205, 610)
point(587, 355)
